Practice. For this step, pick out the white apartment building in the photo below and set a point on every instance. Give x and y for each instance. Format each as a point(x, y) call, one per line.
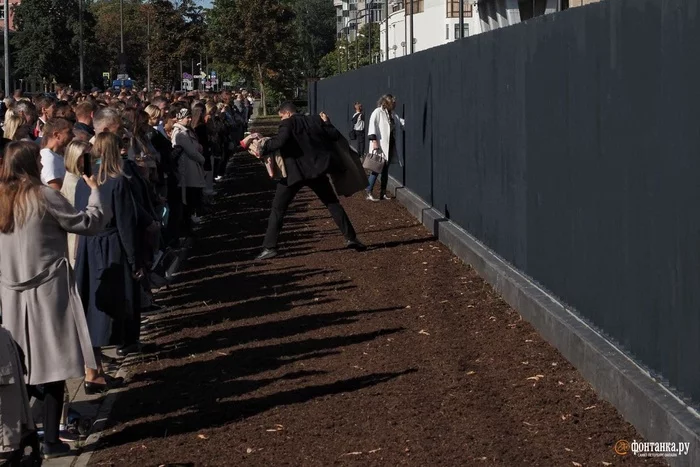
point(353, 14)
point(436, 22)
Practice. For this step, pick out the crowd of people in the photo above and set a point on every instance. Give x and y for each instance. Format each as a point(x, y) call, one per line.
point(95, 189)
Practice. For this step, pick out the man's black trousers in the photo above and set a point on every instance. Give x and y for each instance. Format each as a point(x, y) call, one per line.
point(284, 196)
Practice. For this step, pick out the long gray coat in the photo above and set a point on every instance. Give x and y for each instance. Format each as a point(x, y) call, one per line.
point(40, 303)
point(191, 165)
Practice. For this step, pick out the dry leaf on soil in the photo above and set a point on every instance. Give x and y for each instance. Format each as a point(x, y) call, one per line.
point(536, 377)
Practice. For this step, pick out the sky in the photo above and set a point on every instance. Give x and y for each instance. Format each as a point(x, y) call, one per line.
point(205, 3)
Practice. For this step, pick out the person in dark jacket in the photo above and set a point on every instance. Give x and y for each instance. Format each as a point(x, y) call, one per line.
point(108, 267)
point(306, 144)
point(83, 128)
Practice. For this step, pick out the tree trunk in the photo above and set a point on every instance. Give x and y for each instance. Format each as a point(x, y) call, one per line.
point(263, 98)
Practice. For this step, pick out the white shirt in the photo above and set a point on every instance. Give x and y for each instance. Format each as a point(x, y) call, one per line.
point(53, 166)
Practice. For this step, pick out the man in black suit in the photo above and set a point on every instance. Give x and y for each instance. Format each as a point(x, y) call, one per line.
point(306, 145)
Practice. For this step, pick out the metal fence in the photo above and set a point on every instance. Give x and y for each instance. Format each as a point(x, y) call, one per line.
point(570, 145)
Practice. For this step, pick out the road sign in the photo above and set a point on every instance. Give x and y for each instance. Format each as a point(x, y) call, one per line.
point(123, 77)
point(187, 85)
point(213, 74)
point(105, 74)
point(227, 83)
point(186, 76)
point(202, 75)
point(214, 80)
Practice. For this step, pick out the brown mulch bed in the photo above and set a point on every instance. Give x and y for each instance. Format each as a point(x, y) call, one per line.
point(400, 355)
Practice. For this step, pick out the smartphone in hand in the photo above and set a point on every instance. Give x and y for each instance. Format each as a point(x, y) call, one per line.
point(87, 166)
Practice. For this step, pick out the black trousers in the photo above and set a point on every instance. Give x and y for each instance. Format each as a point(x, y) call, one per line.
point(172, 231)
point(284, 196)
point(53, 408)
point(360, 143)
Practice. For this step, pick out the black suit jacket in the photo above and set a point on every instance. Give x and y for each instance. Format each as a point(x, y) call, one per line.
point(306, 143)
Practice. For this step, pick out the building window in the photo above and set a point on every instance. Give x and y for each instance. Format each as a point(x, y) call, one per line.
point(418, 6)
point(447, 32)
point(453, 9)
point(531, 8)
point(466, 30)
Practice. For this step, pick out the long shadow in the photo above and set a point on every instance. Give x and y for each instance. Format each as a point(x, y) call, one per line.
point(200, 387)
point(290, 327)
point(222, 413)
point(209, 365)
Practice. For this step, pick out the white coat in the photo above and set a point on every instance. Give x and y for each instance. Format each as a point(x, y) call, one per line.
point(380, 128)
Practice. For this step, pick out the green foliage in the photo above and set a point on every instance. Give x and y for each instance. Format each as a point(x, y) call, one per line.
point(259, 34)
point(46, 43)
point(315, 26)
point(350, 55)
point(108, 36)
point(275, 44)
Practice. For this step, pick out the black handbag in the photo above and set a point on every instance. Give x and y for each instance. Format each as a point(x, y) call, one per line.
point(352, 135)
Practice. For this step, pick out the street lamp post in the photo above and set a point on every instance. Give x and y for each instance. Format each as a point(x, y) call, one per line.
point(386, 19)
point(121, 24)
point(369, 24)
point(6, 6)
point(80, 38)
point(148, 49)
point(461, 19)
point(411, 27)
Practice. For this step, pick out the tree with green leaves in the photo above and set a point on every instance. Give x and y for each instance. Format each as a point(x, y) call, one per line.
point(258, 35)
point(109, 38)
point(350, 55)
point(46, 42)
point(315, 25)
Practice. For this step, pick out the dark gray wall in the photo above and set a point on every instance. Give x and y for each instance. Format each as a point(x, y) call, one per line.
point(570, 145)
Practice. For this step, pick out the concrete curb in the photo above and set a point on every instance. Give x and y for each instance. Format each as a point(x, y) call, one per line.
point(101, 420)
point(105, 410)
point(658, 414)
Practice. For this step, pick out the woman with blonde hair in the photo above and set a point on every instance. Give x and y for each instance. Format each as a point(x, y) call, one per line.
point(39, 302)
point(382, 136)
point(76, 152)
point(12, 124)
point(107, 266)
point(154, 115)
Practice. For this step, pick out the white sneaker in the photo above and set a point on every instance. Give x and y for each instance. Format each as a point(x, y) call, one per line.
point(384, 197)
point(371, 198)
point(196, 220)
point(218, 178)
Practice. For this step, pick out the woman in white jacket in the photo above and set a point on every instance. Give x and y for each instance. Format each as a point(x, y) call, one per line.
point(382, 136)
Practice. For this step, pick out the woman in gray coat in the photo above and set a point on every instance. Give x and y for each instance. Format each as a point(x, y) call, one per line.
point(191, 166)
point(38, 296)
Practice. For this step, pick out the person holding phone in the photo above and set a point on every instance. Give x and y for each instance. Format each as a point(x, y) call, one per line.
point(108, 267)
point(78, 163)
point(38, 298)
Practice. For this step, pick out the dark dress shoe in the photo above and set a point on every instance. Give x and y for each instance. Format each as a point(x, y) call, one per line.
point(92, 389)
point(267, 253)
point(129, 349)
point(54, 450)
point(356, 245)
point(99, 388)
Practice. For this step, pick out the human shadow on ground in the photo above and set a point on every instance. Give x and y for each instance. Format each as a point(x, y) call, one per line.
point(212, 368)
